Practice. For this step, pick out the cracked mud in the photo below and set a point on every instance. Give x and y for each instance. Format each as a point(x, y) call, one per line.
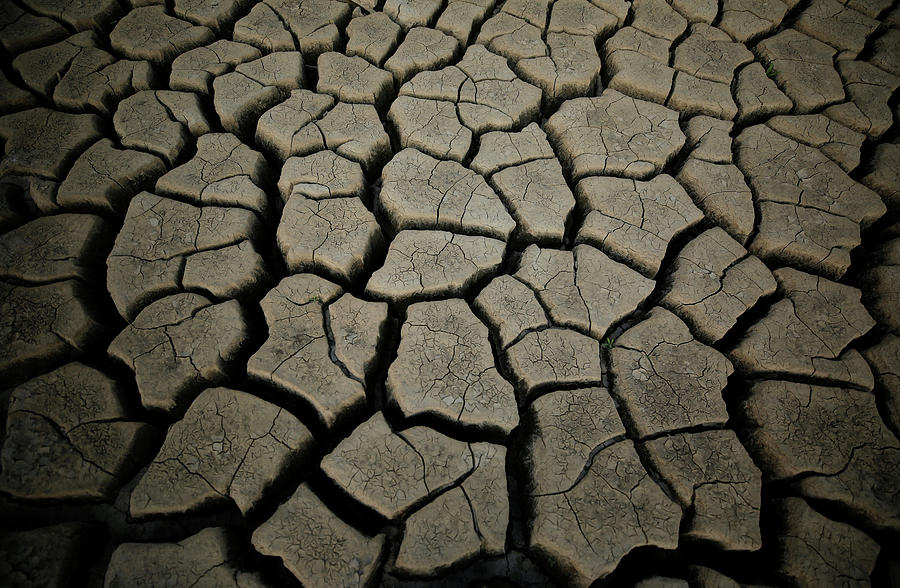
point(491, 293)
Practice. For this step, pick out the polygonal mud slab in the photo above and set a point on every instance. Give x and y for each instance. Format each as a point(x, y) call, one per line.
point(884, 174)
point(54, 248)
point(747, 20)
point(263, 28)
point(422, 49)
point(104, 178)
point(571, 69)
point(665, 379)
point(412, 13)
point(46, 556)
point(432, 126)
point(634, 221)
point(69, 436)
point(512, 37)
point(721, 192)
point(813, 550)
point(13, 98)
point(195, 70)
point(337, 236)
point(884, 357)
point(499, 150)
point(277, 129)
point(869, 90)
point(439, 535)
point(42, 326)
point(714, 281)
point(806, 334)
point(538, 198)
point(164, 243)
point(328, 552)
point(44, 142)
point(716, 482)
point(297, 356)
point(824, 205)
point(882, 296)
point(855, 464)
point(614, 135)
point(614, 508)
point(583, 288)
point(160, 121)
point(709, 139)
point(313, 23)
point(353, 79)
point(461, 17)
point(757, 96)
point(86, 14)
point(372, 37)
point(229, 447)
point(179, 345)
point(693, 95)
point(831, 22)
point(204, 559)
point(21, 30)
point(445, 368)
point(223, 172)
point(567, 427)
point(149, 33)
point(710, 54)
point(639, 65)
point(421, 192)
point(392, 472)
point(555, 357)
point(218, 15)
point(426, 264)
point(657, 18)
point(511, 308)
point(803, 67)
point(321, 175)
point(240, 97)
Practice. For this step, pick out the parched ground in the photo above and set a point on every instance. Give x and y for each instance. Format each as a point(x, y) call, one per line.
point(483, 293)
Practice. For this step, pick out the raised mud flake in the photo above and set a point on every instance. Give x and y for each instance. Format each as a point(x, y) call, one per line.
point(421, 192)
point(584, 288)
point(813, 550)
point(709, 139)
point(657, 18)
point(806, 334)
point(42, 69)
point(511, 308)
point(693, 95)
point(499, 149)
point(264, 29)
point(278, 129)
point(538, 197)
point(179, 345)
point(614, 508)
point(230, 446)
point(425, 264)
point(81, 15)
point(195, 70)
point(838, 142)
point(356, 329)
point(667, 380)
point(159, 234)
point(69, 436)
point(324, 174)
point(336, 235)
point(353, 79)
point(709, 54)
point(835, 438)
point(757, 96)
point(223, 172)
point(804, 68)
point(21, 30)
point(884, 357)
point(54, 248)
point(43, 142)
point(713, 282)
point(555, 357)
point(160, 121)
point(746, 20)
point(445, 367)
point(431, 126)
point(353, 131)
point(721, 192)
point(43, 326)
point(390, 472)
point(296, 357)
point(825, 203)
point(461, 17)
point(422, 49)
point(716, 481)
point(614, 135)
point(204, 560)
point(512, 37)
point(869, 91)
point(46, 556)
point(638, 64)
point(412, 13)
point(372, 37)
point(567, 427)
point(328, 551)
point(834, 23)
point(149, 33)
point(635, 221)
point(240, 97)
point(440, 534)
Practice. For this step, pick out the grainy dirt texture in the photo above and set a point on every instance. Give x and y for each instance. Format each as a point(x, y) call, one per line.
point(449, 293)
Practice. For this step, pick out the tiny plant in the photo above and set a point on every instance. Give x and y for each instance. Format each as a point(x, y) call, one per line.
point(314, 299)
point(609, 342)
point(771, 71)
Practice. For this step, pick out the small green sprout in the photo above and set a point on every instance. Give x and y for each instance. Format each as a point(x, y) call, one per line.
point(771, 71)
point(314, 299)
point(609, 342)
